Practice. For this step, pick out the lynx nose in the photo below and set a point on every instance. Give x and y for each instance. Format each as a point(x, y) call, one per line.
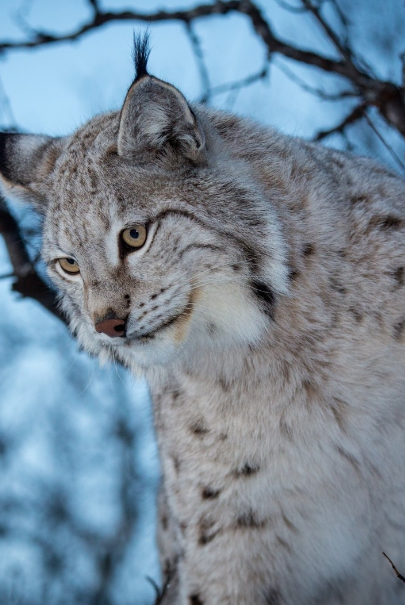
point(111, 327)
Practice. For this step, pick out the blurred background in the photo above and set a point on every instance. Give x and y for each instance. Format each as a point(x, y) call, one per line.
point(79, 467)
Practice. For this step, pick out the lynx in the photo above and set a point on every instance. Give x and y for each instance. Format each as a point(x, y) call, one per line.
point(258, 282)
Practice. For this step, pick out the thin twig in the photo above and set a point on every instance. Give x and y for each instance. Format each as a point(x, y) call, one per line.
point(384, 142)
point(202, 68)
point(237, 84)
point(318, 92)
point(345, 51)
point(356, 114)
point(290, 8)
point(401, 577)
point(386, 96)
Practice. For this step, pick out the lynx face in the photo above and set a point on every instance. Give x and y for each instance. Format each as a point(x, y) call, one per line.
point(152, 258)
point(158, 256)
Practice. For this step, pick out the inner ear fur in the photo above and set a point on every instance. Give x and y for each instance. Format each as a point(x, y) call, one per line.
point(156, 121)
point(25, 161)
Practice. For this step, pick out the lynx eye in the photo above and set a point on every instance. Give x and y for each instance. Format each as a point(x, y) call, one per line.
point(135, 236)
point(69, 265)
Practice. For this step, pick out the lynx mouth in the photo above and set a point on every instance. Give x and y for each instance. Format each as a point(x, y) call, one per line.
point(178, 318)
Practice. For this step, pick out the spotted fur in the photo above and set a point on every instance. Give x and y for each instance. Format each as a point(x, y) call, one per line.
point(267, 311)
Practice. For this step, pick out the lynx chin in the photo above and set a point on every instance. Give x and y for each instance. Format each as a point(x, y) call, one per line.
point(258, 282)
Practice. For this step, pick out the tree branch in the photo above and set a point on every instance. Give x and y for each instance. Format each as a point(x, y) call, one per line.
point(386, 96)
point(356, 114)
point(27, 282)
point(401, 577)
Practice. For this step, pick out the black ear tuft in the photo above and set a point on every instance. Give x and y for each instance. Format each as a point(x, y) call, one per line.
point(141, 55)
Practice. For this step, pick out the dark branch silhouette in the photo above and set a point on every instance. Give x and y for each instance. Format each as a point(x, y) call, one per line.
point(386, 96)
point(401, 577)
point(27, 280)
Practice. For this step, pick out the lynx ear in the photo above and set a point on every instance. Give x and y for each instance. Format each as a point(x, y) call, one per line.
point(156, 120)
point(25, 161)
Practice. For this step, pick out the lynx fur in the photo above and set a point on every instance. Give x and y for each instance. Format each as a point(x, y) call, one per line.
point(266, 308)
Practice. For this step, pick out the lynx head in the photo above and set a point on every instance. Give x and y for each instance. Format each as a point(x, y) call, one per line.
point(158, 239)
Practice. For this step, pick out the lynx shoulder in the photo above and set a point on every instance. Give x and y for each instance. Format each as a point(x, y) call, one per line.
point(258, 282)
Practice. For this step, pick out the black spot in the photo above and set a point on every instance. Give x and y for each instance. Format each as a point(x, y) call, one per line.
point(176, 463)
point(208, 493)
point(207, 534)
point(247, 470)
point(359, 199)
point(308, 249)
point(127, 296)
point(398, 329)
point(273, 597)
point(398, 275)
point(224, 384)
point(211, 328)
point(310, 388)
point(292, 273)
point(250, 520)
point(252, 258)
point(167, 568)
point(385, 223)
point(176, 395)
point(391, 222)
point(236, 267)
point(337, 287)
point(358, 316)
point(206, 538)
point(154, 296)
point(195, 599)
point(266, 295)
point(198, 428)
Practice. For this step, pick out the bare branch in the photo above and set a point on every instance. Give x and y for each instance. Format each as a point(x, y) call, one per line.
point(356, 114)
point(28, 282)
point(95, 6)
point(205, 80)
point(343, 49)
point(5, 102)
point(238, 84)
point(388, 147)
point(394, 568)
point(386, 96)
point(318, 92)
point(290, 8)
point(402, 57)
